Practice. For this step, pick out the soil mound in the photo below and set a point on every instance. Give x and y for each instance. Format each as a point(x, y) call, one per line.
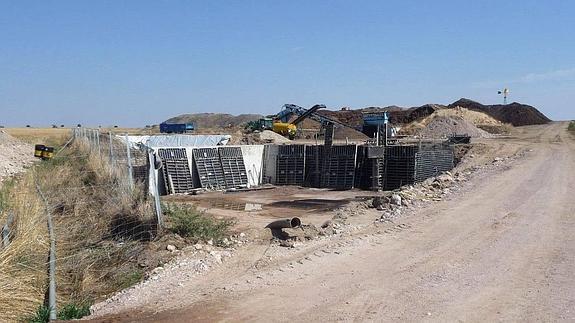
point(515, 113)
point(15, 155)
point(476, 118)
point(444, 126)
point(214, 120)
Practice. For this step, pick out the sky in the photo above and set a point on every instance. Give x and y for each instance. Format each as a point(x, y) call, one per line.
point(133, 63)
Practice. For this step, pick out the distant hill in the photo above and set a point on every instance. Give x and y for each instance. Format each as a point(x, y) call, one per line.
point(515, 113)
point(214, 120)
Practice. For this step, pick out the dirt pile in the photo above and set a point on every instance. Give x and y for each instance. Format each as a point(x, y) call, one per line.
point(442, 127)
point(243, 137)
point(214, 120)
point(268, 136)
point(515, 113)
point(15, 155)
point(476, 118)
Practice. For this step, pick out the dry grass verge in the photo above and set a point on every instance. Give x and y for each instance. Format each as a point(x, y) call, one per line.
point(101, 226)
point(23, 269)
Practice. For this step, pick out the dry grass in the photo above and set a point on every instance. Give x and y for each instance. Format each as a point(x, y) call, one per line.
point(45, 136)
point(57, 136)
point(23, 267)
point(101, 227)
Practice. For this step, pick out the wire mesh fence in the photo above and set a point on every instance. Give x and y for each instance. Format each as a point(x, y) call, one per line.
point(130, 163)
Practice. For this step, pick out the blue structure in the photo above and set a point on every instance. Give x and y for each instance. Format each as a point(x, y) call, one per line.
point(375, 119)
point(371, 122)
point(176, 127)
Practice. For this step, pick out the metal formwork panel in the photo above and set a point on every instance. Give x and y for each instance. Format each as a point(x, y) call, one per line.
point(233, 167)
point(290, 165)
point(339, 169)
point(334, 169)
point(209, 167)
point(176, 170)
point(313, 165)
point(370, 167)
point(432, 161)
point(399, 166)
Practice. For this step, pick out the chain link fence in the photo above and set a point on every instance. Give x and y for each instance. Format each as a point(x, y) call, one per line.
point(132, 164)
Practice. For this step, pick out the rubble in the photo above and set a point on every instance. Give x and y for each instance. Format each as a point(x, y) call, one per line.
point(16, 155)
point(444, 126)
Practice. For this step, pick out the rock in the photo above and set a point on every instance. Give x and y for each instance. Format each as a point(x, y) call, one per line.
point(396, 199)
point(445, 178)
point(287, 244)
point(211, 242)
point(198, 246)
point(217, 256)
point(378, 201)
point(326, 224)
point(497, 159)
point(242, 235)
point(171, 248)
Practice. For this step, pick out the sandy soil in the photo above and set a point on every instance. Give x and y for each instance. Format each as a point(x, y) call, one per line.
point(502, 248)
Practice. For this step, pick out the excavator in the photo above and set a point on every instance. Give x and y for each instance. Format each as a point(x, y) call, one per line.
point(280, 124)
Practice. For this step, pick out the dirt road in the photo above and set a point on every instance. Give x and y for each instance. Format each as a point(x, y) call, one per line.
point(504, 250)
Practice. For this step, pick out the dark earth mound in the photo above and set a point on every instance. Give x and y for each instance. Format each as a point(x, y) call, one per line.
point(214, 120)
point(515, 113)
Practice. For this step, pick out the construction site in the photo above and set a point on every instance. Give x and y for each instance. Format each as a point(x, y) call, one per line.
point(299, 199)
point(287, 161)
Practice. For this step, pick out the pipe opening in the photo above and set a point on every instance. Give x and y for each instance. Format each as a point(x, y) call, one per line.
point(295, 222)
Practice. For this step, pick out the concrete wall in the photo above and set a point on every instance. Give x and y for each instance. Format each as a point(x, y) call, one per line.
point(269, 160)
point(253, 161)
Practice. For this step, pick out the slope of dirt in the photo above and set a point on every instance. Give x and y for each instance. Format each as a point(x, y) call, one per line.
point(444, 126)
point(515, 113)
point(214, 120)
point(476, 118)
point(15, 155)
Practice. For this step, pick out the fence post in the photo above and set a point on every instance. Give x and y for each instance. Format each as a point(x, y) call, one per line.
point(6, 231)
point(130, 178)
point(52, 269)
point(156, 192)
point(111, 142)
point(90, 139)
point(98, 142)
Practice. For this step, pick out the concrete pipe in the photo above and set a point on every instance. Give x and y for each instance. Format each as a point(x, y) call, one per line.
point(285, 223)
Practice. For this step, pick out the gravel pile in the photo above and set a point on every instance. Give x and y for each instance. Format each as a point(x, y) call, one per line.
point(15, 155)
point(272, 137)
point(443, 126)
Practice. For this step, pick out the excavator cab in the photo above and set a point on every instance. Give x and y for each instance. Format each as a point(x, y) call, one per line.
point(266, 123)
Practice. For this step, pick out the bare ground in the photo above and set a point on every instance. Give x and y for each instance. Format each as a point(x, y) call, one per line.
point(502, 248)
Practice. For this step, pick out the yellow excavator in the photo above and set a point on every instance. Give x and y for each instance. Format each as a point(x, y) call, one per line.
point(288, 129)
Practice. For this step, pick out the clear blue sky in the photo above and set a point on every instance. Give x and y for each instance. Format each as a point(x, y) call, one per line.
point(139, 62)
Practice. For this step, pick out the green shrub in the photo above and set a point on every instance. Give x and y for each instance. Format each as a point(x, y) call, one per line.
point(129, 279)
point(42, 315)
point(74, 311)
point(188, 222)
point(571, 126)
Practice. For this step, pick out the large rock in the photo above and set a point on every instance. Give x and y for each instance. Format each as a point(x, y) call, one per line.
point(396, 199)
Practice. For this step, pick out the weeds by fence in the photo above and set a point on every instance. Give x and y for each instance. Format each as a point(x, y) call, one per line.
point(105, 209)
point(188, 222)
